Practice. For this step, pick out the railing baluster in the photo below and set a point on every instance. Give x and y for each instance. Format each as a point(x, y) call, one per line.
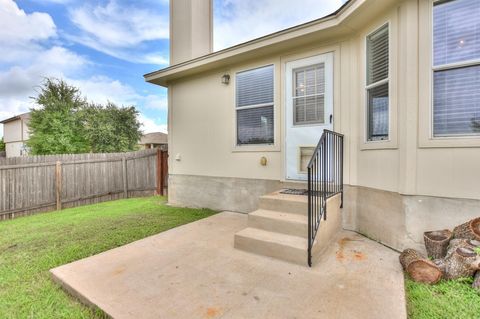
point(325, 179)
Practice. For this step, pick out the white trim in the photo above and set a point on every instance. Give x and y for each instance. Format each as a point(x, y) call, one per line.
point(456, 65)
point(239, 147)
point(254, 106)
point(367, 86)
point(378, 83)
point(444, 67)
point(291, 147)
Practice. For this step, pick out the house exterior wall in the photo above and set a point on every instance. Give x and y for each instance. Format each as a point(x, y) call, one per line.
point(393, 184)
point(15, 133)
point(14, 149)
point(12, 131)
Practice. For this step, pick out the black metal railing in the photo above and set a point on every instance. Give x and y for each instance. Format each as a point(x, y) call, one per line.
point(325, 179)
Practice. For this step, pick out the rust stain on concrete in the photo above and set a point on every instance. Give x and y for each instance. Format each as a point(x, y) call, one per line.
point(359, 256)
point(340, 255)
point(355, 255)
point(212, 312)
point(119, 270)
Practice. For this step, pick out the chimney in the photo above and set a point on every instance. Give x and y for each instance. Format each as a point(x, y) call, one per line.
point(191, 29)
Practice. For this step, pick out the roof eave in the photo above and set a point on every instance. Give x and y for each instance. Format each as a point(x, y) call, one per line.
point(160, 77)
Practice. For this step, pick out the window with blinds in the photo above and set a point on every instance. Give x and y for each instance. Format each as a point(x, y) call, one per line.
point(254, 106)
point(456, 68)
point(377, 89)
point(309, 95)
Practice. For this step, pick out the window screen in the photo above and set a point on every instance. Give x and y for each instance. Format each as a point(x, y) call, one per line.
point(254, 105)
point(377, 85)
point(309, 95)
point(456, 68)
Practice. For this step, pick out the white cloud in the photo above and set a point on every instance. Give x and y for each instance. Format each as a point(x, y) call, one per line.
point(239, 21)
point(149, 125)
point(28, 57)
point(16, 26)
point(54, 62)
point(101, 89)
point(156, 102)
point(121, 30)
point(21, 33)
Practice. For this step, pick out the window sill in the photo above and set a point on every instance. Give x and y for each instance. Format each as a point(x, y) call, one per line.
point(256, 148)
point(450, 142)
point(378, 145)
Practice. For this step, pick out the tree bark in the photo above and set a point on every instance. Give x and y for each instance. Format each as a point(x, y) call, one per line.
point(440, 263)
point(468, 230)
point(461, 243)
point(463, 262)
point(419, 268)
point(436, 243)
point(476, 281)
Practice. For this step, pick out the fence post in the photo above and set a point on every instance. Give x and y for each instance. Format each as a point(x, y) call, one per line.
point(58, 184)
point(159, 172)
point(125, 176)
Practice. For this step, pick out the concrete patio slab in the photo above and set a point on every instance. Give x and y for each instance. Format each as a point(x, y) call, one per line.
point(193, 271)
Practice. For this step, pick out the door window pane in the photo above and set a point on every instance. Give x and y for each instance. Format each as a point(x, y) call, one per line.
point(309, 91)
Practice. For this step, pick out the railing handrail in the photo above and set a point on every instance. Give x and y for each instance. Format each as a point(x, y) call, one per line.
point(326, 163)
point(320, 141)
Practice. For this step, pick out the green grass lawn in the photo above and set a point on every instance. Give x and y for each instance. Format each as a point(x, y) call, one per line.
point(30, 246)
point(445, 300)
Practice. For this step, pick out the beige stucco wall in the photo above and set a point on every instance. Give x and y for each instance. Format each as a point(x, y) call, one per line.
point(191, 22)
point(14, 149)
point(15, 133)
point(202, 117)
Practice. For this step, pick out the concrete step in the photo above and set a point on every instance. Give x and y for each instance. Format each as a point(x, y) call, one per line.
point(294, 184)
point(279, 222)
point(293, 204)
point(280, 246)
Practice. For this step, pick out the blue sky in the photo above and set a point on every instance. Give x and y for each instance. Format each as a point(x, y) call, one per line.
point(105, 46)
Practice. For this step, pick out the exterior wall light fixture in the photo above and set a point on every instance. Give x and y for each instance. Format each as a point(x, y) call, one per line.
point(226, 79)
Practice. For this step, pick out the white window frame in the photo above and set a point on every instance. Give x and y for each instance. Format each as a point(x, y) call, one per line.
point(253, 106)
point(378, 83)
point(444, 67)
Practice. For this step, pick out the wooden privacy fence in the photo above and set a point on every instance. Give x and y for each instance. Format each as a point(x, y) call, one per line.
point(41, 183)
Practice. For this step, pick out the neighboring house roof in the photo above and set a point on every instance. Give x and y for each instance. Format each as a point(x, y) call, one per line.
point(154, 138)
point(16, 117)
point(344, 21)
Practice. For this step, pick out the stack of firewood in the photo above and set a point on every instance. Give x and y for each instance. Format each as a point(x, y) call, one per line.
point(451, 255)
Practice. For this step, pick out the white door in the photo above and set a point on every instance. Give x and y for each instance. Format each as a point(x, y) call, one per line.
point(308, 110)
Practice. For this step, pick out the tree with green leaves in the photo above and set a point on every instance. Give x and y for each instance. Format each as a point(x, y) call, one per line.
point(2, 145)
point(66, 123)
point(111, 128)
point(56, 126)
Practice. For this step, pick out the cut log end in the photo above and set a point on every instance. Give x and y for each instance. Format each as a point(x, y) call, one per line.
point(419, 268)
point(424, 271)
point(468, 230)
point(466, 252)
